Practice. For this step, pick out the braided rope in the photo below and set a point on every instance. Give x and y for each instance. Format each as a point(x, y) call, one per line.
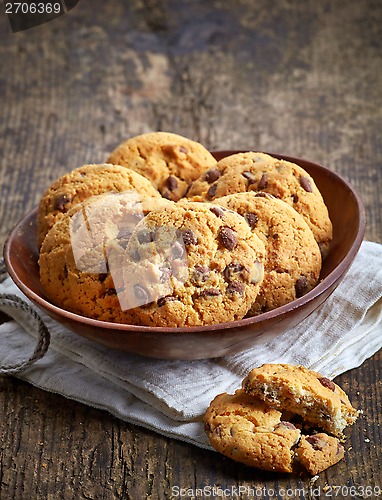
point(3, 270)
point(30, 320)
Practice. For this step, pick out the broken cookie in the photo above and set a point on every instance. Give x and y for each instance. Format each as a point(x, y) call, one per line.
point(318, 400)
point(249, 431)
point(318, 452)
point(253, 425)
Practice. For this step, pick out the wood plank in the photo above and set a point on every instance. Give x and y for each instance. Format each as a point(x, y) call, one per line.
point(301, 78)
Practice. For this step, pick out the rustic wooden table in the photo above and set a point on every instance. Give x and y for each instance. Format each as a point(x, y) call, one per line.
point(301, 78)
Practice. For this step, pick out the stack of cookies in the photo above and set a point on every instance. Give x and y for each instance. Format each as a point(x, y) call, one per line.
point(285, 418)
point(164, 235)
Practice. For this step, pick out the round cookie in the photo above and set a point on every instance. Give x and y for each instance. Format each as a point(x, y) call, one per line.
point(191, 264)
point(83, 182)
point(254, 171)
point(79, 251)
point(171, 162)
point(249, 431)
point(293, 259)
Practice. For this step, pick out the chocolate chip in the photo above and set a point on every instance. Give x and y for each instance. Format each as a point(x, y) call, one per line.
point(207, 426)
point(262, 195)
point(236, 287)
point(233, 270)
point(165, 274)
point(141, 293)
point(162, 301)
point(263, 182)
point(111, 291)
point(200, 274)
point(218, 431)
point(249, 176)
point(102, 277)
point(123, 243)
point(66, 271)
point(134, 255)
point(316, 442)
point(301, 286)
point(212, 190)
point(327, 383)
point(124, 233)
point(167, 194)
point(219, 212)
point(145, 236)
point(285, 425)
point(172, 183)
point(294, 198)
point(210, 292)
point(189, 237)
point(306, 184)
point(251, 219)
point(178, 251)
point(212, 175)
point(275, 236)
point(280, 270)
point(227, 238)
point(183, 150)
point(61, 202)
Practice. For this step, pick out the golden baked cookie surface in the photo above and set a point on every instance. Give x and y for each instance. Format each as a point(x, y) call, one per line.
point(254, 171)
point(82, 183)
point(318, 452)
point(249, 431)
point(276, 420)
point(171, 162)
point(192, 264)
point(82, 254)
point(304, 392)
point(293, 258)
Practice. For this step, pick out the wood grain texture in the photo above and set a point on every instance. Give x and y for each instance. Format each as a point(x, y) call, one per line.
point(301, 78)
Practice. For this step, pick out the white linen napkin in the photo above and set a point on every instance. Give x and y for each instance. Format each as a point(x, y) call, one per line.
point(170, 397)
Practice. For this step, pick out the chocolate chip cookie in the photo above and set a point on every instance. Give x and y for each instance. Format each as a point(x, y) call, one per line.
point(293, 259)
point(171, 162)
point(318, 400)
point(318, 452)
point(257, 425)
point(83, 182)
point(249, 431)
point(252, 171)
point(191, 264)
point(79, 251)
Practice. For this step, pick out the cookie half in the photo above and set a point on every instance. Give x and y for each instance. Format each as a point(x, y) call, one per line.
point(255, 171)
point(318, 400)
point(247, 430)
point(318, 452)
point(171, 162)
point(293, 259)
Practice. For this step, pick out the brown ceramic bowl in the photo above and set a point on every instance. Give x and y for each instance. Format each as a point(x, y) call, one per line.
point(348, 217)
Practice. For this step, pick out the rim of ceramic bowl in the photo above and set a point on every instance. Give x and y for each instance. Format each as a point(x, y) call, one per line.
point(318, 290)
